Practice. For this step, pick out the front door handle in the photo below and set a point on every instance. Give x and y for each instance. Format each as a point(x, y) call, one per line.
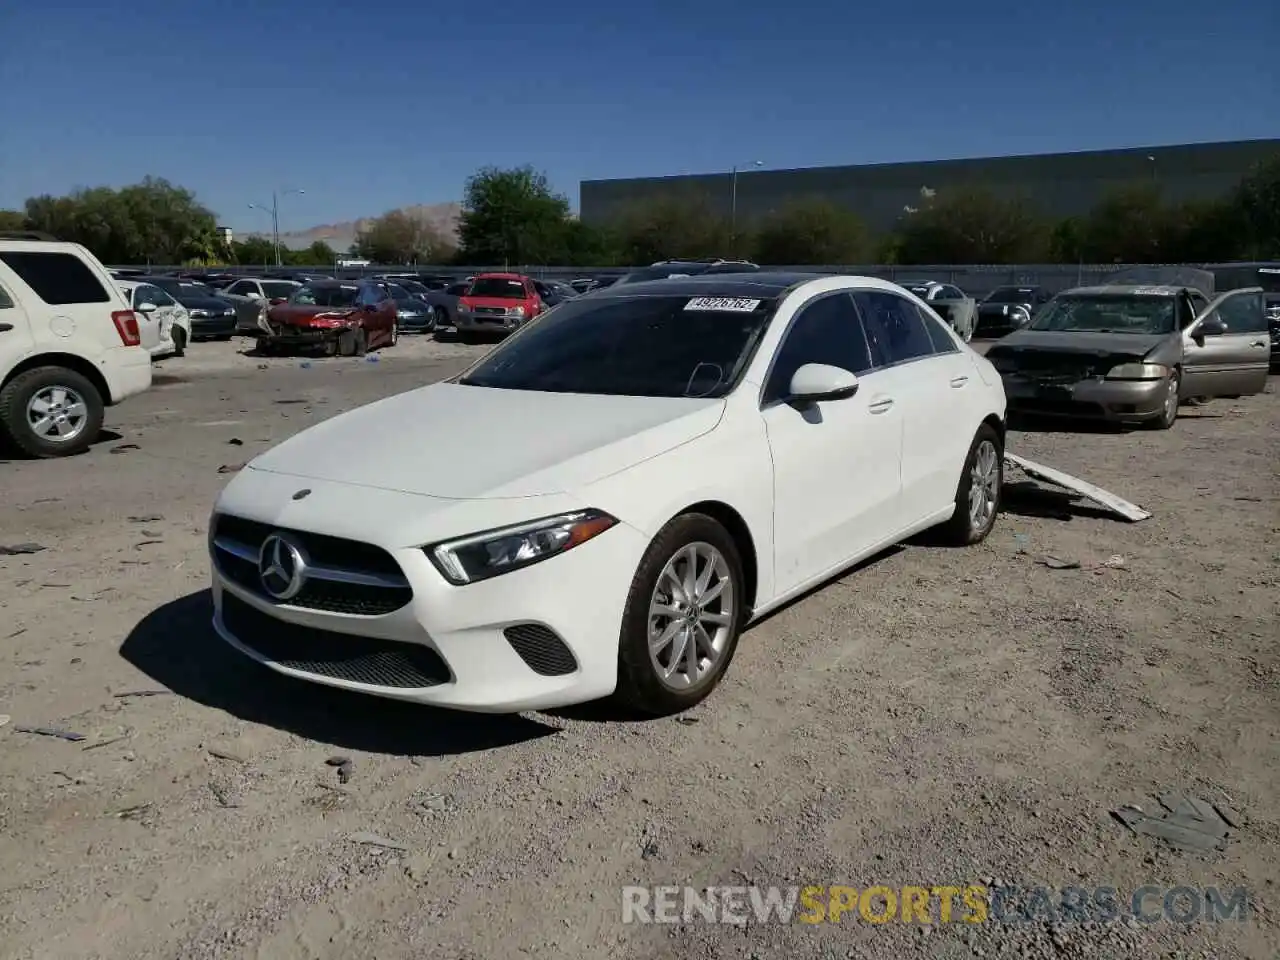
point(959, 381)
point(1259, 343)
point(880, 405)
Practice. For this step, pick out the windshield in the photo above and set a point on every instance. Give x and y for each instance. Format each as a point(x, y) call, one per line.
point(663, 272)
point(497, 287)
point(278, 289)
point(629, 346)
point(1011, 295)
point(1119, 313)
point(326, 296)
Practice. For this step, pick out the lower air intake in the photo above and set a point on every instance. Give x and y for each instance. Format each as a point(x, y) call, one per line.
point(541, 650)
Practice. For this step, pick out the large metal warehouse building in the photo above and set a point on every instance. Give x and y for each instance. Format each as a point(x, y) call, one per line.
point(1061, 184)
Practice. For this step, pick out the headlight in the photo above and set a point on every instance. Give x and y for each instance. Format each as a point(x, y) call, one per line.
point(1138, 371)
point(493, 552)
point(199, 313)
point(463, 308)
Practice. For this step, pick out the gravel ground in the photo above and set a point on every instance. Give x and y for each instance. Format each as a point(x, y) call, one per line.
point(934, 717)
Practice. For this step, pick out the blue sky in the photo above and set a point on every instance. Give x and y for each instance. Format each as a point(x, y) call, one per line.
point(381, 103)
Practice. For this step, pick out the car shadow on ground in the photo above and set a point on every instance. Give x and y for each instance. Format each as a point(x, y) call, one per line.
point(1025, 498)
point(176, 646)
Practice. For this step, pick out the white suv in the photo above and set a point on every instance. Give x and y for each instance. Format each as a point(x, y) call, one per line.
point(69, 345)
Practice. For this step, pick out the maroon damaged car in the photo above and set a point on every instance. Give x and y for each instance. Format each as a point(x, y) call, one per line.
point(345, 318)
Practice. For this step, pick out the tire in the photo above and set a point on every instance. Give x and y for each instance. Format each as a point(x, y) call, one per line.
point(223, 337)
point(179, 342)
point(467, 337)
point(442, 317)
point(395, 334)
point(264, 347)
point(353, 343)
point(16, 401)
point(969, 525)
point(640, 682)
point(1169, 411)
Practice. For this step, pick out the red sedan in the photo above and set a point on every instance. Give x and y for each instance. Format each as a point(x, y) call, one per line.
point(346, 318)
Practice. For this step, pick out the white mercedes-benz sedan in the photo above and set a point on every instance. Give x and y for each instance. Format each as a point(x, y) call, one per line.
point(603, 502)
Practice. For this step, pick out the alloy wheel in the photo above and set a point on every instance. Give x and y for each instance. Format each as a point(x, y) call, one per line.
point(57, 414)
point(691, 615)
point(984, 485)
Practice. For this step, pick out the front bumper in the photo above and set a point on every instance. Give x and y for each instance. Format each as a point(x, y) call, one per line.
point(541, 637)
point(1094, 398)
point(487, 323)
point(424, 323)
point(204, 327)
point(281, 335)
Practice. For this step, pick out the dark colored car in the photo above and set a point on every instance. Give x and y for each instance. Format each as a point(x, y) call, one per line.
point(414, 313)
point(1006, 309)
point(344, 318)
point(212, 317)
point(553, 292)
point(1271, 307)
point(667, 269)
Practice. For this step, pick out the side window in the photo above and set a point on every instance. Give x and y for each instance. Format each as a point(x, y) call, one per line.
point(951, 293)
point(145, 296)
point(239, 289)
point(938, 331)
point(1189, 307)
point(1243, 313)
point(6, 302)
point(894, 326)
point(826, 331)
point(161, 298)
point(369, 296)
point(56, 278)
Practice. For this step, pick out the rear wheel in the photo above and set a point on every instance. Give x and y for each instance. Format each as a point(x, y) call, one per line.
point(395, 333)
point(978, 492)
point(683, 616)
point(179, 341)
point(51, 412)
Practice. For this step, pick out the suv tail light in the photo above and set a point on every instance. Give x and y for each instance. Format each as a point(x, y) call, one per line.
point(126, 322)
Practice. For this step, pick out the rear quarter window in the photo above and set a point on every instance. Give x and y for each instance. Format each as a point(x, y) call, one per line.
point(56, 278)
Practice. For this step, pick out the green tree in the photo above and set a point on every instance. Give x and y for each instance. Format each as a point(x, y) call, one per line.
point(1129, 225)
point(971, 226)
point(253, 250)
point(671, 228)
point(1205, 231)
point(812, 231)
point(1066, 241)
point(512, 217)
point(12, 220)
point(1258, 201)
point(319, 254)
point(399, 237)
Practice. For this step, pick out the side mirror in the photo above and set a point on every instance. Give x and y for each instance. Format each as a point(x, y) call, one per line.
point(815, 382)
point(1211, 327)
point(146, 308)
point(276, 301)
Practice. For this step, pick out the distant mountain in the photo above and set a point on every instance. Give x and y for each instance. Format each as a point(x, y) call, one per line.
point(340, 236)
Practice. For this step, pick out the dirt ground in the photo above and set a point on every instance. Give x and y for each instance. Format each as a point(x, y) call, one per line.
point(934, 717)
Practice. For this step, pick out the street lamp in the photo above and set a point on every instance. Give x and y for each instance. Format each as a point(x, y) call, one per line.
point(733, 197)
point(274, 210)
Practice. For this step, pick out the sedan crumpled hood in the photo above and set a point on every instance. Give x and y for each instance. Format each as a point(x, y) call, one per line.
point(211, 304)
point(1041, 341)
point(297, 315)
point(464, 443)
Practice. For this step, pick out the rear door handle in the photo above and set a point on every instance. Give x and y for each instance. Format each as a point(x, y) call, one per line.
point(880, 405)
point(5, 326)
point(959, 381)
point(1258, 343)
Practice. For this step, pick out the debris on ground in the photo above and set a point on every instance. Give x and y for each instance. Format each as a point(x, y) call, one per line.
point(224, 754)
point(345, 767)
point(1129, 511)
point(1115, 562)
point(1022, 540)
point(231, 468)
point(687, 721)
point(146, 543)
point(135, 812)
point(125, 447)
point(1185, 822)
point(1057, 563)
point(149, 518)
point(52, 732)
point(374, 840)
point(21, 549)
point(236, 442)
point(223, 798)
point(141, 693)
point(4, 719)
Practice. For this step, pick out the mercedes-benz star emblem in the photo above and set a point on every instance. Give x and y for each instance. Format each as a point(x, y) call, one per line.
point(282, 567)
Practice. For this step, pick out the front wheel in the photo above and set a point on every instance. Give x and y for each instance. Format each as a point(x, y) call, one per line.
point(395, 334)
point(1169, 405)
point(682, 619)
point(353, 343)
point(179, 341)
point(978, 491)
point(51, 412)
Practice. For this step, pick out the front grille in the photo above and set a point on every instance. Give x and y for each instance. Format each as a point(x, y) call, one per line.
point(541, 650)
point(1060, 408)
point(342, 656)
point(347, 566)
point(1060, 367)
point(490, 311)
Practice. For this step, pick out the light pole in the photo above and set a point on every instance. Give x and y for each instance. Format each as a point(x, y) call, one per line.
point(733, 198)
point(274, 210)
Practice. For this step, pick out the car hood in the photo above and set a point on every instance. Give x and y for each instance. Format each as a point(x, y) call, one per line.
point(206, 303)
point(469, 443)
point(1097, 344)
point(1003, 306)
point(299, 313)
point(503, 302)
point(411, 306)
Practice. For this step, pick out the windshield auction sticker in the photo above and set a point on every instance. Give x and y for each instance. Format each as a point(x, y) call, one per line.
point(722, 304)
